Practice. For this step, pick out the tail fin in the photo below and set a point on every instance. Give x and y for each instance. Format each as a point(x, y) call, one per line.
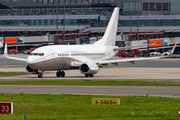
point(111, 30)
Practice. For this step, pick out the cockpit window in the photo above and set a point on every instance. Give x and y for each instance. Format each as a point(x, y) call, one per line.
point(37, 54)
point(41, 54)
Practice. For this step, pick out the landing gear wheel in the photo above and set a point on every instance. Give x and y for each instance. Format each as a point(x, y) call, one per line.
point(86, 75)
point(40, 75)
point(62, 74)
point(57, 74)
point(91, 75)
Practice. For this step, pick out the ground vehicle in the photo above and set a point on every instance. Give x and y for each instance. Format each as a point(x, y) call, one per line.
point(29, 51)
point(123, 54)
point(12, 51)
point(126, 54)
point(25, 52)
point(131, 54)
point(155, 53)
point(166, 53)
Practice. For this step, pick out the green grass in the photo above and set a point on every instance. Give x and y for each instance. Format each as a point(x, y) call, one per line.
point(12, 73)
point(87, 82)
point(80, 107)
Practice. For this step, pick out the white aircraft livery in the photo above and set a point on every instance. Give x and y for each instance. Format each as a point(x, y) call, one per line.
point(87, 58)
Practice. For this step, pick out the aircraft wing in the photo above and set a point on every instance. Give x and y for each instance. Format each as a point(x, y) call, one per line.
point(12, 58)
point(124, 60)
point(132, 59)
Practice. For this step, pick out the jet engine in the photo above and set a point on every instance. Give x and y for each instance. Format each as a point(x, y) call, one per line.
point(89, 68)
point(30, 70)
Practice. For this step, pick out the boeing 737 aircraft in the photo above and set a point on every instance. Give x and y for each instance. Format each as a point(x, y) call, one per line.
point(87, 58)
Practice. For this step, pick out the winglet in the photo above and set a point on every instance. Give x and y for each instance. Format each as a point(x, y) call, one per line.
point(172, 50)
point(5, 51)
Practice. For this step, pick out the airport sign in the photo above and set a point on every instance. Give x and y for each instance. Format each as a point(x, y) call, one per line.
point(106, 101)
point(6, 108)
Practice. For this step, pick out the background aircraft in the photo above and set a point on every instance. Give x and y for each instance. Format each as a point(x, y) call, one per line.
point(1, 45)
point(87, 58)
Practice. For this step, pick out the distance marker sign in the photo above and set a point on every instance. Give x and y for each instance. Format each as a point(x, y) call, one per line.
point(106, 101)
point(6, 108)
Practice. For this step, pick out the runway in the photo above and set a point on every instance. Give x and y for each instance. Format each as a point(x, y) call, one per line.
point(137, 74)
point(163, 91)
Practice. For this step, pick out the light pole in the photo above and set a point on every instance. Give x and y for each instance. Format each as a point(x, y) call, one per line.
point(138, 20)
point(57, 17)
point(130, 17)
point(64, 24)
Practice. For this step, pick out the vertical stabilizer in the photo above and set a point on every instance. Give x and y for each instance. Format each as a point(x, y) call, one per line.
point(111, 30)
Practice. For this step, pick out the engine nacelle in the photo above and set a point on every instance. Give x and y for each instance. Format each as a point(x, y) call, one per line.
point(89, 68)
point(30, 70)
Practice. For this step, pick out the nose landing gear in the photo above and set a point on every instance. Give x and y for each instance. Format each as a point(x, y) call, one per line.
point(40, 75)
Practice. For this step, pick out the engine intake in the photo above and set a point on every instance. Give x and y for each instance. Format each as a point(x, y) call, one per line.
point(89, 68)
point(30, 70)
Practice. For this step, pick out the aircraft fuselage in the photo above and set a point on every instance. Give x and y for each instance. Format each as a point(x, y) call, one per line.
point(57, 57)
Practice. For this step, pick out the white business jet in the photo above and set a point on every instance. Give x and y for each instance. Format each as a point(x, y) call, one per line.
point(87, 58)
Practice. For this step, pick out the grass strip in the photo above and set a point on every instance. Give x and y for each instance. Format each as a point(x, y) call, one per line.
point(80, 107)
point(87, 82)
point(12, 73)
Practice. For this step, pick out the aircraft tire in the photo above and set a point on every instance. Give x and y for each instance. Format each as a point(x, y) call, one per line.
point(86, 75)
point(57, 74)
point(62, 74)
point(91, 75)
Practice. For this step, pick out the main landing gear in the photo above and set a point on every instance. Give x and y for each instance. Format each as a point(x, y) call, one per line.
point(89, 75)
point(60, 73)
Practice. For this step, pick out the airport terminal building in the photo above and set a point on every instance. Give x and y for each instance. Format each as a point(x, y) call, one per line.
point(88, 18)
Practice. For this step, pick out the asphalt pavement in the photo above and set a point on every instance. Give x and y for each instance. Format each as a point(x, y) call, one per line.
point(162, 70)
